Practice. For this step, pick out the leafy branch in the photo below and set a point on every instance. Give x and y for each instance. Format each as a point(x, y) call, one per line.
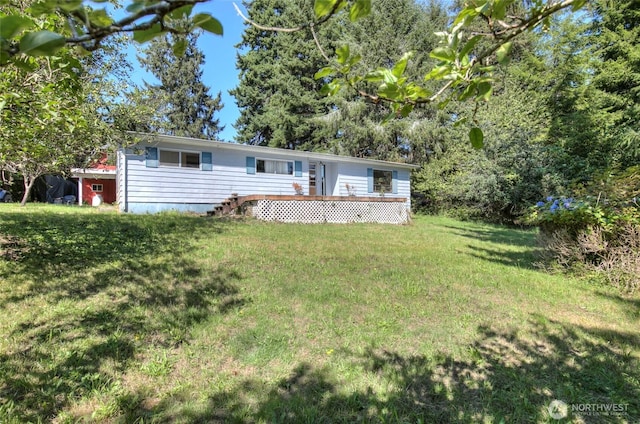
point(465, 73)
point(35, 31)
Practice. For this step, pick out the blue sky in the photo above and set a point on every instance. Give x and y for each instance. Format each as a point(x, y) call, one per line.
point(219, 71)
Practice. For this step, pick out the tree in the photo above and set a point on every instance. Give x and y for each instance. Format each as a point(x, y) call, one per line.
point(277, 95)
point(362, 129)
point(182, 101)
point(279, 99)
point(465, 72)
point(44, 127)
point(616, 36)
point(52, 108)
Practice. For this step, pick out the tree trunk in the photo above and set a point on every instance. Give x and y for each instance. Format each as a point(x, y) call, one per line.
point(28, 184)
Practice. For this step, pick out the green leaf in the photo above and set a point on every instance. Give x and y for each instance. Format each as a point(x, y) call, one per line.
point(390, 117)
point(41, 43)
point(323, 7)
point(208, 23)
point(374, 76)
point(443, 53)
point(438, 72)
point(70, 5)
point(459, 122)
point(469, 45)
point(100, 18)
point(443, 104)
point(503, 53)
point(343, 54)
point(469, 91)
point(578, 5)
point(401, 65)
point(135, 7)
point(360, 9)
point(43, 7)
point(484, 91)
point(10, 26)
point(476, 137)
point(499, 9)
point(145, 35)
point(389, 90)
point(465, 16)
point(324, 72)
point(182, 12)
point(354, 59)
point(387, 76)
point(4, 57)
point(484, 6)
point(415, 92)
point(486, 69)
point(179, 47)
point(27, 64)
point(406, 110)
point(330, 89)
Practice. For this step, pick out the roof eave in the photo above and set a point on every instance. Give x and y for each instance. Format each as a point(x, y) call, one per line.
point(283, 152)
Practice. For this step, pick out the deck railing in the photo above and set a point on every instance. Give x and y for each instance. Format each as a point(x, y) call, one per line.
point(331, 209)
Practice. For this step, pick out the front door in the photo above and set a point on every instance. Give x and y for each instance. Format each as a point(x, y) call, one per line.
point(316, 179)
point(312, 178)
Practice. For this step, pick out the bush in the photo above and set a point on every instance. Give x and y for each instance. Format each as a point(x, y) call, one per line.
point(602, 237)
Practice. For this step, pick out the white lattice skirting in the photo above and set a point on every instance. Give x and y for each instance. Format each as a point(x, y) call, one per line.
point(316, 211)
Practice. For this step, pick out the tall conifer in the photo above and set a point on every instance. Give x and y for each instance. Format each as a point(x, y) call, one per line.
point(182, 100)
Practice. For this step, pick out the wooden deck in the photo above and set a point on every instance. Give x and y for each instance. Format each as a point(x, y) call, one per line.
point(302, 197)
point(315, 209)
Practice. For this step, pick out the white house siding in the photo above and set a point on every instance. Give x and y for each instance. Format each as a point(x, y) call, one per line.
point(152, 189)
point(231, 172)
point(121, 184)
point(355, 174)
point(185, 189)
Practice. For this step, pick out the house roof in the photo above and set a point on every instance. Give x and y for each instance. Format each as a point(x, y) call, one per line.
point(98, 169)
point(328, 157)
point(97, 173)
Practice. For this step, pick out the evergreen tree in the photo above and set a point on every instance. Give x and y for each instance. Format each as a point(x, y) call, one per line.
point(616, 34)
point(183, 103)
point(393, 28)
point(277, 95)
point(279, 98)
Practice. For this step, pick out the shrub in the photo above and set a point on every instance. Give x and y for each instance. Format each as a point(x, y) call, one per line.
point(603, 237)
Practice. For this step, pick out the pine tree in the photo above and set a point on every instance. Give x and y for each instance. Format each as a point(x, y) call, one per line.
point(182, 100)
point(279, 98)
point(617, 80)
point(277, 95)
point(393, 28)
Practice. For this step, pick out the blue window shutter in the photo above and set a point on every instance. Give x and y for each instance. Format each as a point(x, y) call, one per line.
point(207, 161)
point(370, 180)
point(251, 165)
point(394, 183)
point(152, 157)
point(298, 168)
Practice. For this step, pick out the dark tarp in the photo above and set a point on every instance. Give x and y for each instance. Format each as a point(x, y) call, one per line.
point(55, 187)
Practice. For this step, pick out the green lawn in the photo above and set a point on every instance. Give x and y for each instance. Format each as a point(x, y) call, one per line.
point(175, 318)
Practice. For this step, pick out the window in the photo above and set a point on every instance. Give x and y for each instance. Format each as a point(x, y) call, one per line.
point(274, 167)
point(382, 181)
point(179, 159)
point(190, 160)
point(96, 188)
point(169, 158)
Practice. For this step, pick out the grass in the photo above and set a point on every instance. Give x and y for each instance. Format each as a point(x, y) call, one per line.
point(177, 318)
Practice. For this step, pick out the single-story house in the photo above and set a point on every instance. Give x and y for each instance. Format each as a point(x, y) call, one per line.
point(186, 174)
